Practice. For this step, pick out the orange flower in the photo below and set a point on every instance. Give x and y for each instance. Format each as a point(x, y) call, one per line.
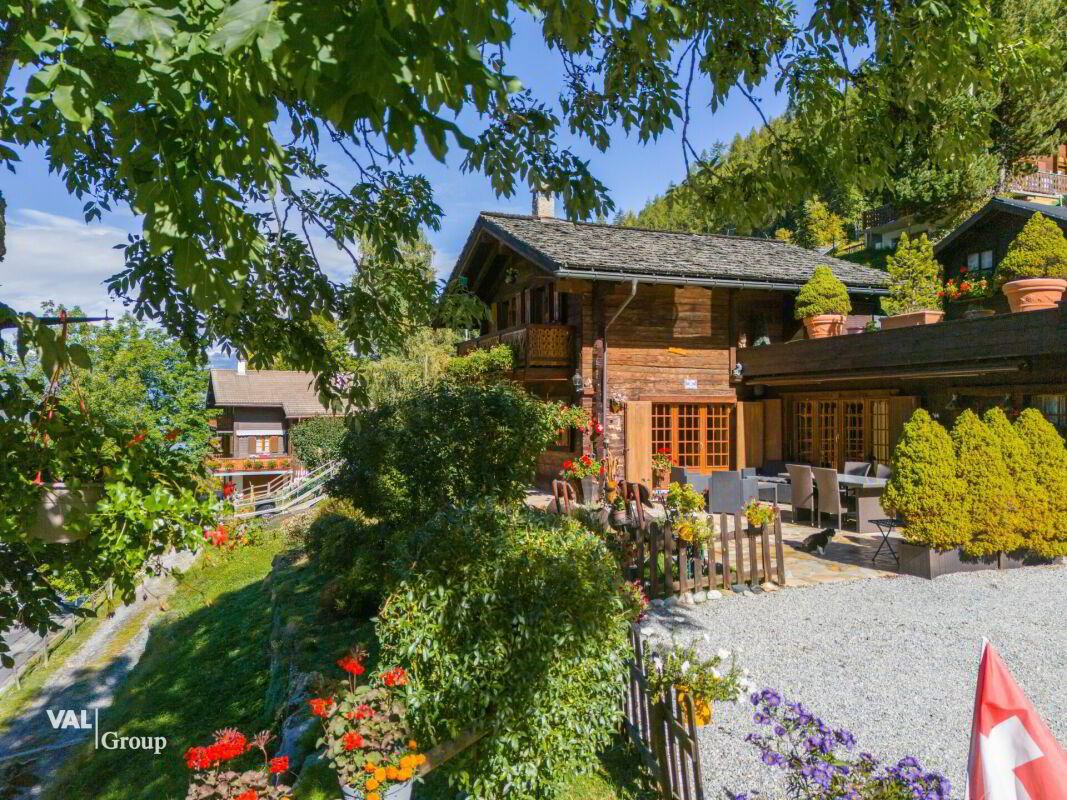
point(406, 762)
point(371, 784)
point(369, 767)
point(412, 744)
point(379, 775)
point(404, 775)
point(420, 759)
point(391, 772)
point(373, 796)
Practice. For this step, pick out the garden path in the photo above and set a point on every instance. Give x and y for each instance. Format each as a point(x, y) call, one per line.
point(31, 749)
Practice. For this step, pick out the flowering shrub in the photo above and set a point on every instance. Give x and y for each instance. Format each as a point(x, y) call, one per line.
point(705, 679)
point(661, 460)
point(365, 730)
point(635, 599)
point(694, 530)
point(584, 467)
point(216, 776)
point(820, 763)
point(683, 499)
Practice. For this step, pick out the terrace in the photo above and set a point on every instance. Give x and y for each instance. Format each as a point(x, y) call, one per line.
point(535, 345)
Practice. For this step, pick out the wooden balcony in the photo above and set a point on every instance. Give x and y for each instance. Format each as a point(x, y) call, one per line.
point(1025, 346)
point(534, 345)
point(279, 462)
point(1047, 183)
point(882, 215)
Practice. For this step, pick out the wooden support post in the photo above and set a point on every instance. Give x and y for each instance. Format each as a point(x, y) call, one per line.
point(739, 551)
point(779, 553)
point(668, 560)
point(753, 563)
point(725, 539)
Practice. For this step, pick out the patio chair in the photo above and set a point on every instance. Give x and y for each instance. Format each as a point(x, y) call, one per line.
point(564, 498)
point(730, 491)
point(883, 471)
point(771, 469)
point(857, 468)
point(802, 488)
point(829, 494)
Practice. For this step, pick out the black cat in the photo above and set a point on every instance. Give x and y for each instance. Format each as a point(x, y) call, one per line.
point(818, 541)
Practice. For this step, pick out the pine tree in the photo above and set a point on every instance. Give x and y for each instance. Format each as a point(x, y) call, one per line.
point(989, 494)
point(1029, 505)
point(914, 277)
point(824, 293)
point(925, 489)
point(1050, 468)
point(1039, 251)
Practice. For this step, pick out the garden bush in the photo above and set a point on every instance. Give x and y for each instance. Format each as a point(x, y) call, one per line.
point(511, 621)
point(914, 277)
point(317, 441)
point(925, 488)
point(1028, 511)
point(1039, 251)
point(1050, 468)
point(450, 445)
point(355, 553)
point(822, 294)
point(989, 499)
point(481, 365)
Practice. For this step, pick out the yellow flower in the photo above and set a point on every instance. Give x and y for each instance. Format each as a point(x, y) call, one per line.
point(379, 774)
point(372, 784)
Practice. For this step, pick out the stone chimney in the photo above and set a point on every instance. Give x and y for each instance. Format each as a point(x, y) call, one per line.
point(242, 366)
point(544, 205)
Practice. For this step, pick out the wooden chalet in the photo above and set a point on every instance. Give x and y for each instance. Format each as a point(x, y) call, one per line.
point(643, 328)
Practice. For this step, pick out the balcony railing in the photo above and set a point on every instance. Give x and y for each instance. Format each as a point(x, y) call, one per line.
point(1050, 183)
point(534, 345)
point(882, 215)
point(253, 463)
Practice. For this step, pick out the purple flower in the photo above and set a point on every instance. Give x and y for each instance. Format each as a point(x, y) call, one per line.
point(761, 719)
point(779, 731)
point(772, 759)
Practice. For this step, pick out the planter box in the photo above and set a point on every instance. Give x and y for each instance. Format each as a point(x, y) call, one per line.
point(925, 562)
point(590, 491)
point(1016, 560)
point(912, 319)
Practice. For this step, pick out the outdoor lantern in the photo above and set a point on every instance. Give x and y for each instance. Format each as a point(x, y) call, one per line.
point(578, 381)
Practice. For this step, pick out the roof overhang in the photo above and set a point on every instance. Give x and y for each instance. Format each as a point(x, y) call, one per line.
point(688, 280)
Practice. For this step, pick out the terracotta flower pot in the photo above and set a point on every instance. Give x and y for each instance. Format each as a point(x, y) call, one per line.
point(57, 504)
point(822, 326)
point(1034, 294)
point(912, 319)
point(661, 478)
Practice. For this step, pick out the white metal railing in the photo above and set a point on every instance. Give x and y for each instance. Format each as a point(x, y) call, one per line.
point(291, 497)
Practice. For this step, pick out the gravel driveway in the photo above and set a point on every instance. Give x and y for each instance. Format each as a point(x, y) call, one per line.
point(894, 660)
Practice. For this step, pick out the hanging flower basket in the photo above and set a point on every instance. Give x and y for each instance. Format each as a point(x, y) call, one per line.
point(57, 505)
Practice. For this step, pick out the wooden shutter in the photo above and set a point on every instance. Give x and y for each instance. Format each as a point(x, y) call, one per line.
point(275, 444)
point(750, 434)
point(900, 411)
point(639, 441)
point(772, 431)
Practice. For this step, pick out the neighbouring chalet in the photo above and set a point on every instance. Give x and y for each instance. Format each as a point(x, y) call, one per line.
point(643, 327)
point(257, 409)
point(688, 342)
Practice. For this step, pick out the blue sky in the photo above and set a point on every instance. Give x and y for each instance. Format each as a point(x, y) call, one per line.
point(53, 254)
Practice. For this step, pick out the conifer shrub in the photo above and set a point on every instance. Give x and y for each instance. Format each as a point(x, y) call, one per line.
point(1039, 251)
point(1049, 457)
point(990, 499)
point(914, 277)
point(1028, 505)
point(925, 489)
point(822, 294)
point(513, 622)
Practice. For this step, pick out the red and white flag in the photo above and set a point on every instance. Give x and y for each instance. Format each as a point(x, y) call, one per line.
point(1014, 755)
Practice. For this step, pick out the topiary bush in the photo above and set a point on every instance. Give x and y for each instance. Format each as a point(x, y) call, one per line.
point(925, 489)
point(822, 294)
point(451, 445)
point(1039, 251)
point(914, 277)
point(317, 441)
point(1049, 457)
point(511, 621)
point(1028, 505)
point(990, 498)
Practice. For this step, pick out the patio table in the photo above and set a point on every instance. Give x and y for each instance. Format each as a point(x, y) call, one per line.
point(868, 494)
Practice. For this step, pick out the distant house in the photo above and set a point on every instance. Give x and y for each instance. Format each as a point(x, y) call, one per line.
point(257, 410)
point(641, 327)
point(981, 242)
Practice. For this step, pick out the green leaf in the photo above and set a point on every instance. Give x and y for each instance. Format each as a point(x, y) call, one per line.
point(244, 22)
point(140, 25)
point(79, 356)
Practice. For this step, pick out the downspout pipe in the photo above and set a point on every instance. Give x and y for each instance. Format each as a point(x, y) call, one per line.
point(604, 362)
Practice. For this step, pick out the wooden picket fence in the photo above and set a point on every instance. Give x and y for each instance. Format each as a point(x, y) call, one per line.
point(663, 731)
point(736, 555)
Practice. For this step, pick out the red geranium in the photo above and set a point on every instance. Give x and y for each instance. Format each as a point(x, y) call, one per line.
point(568, 464)
point(350, 665)
point(352, 741)
point(279, 765)
point(362, 711)
point(196, 758)
point(395, 677)
point(137, 439)
point(249, 795)
point(320, 706)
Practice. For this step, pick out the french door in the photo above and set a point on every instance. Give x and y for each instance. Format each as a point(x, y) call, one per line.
point(698, 436)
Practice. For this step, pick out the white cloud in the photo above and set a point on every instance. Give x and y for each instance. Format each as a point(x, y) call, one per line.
point(51, 257)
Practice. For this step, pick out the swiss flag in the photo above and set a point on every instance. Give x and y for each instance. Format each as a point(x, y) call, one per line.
point(1014, 755)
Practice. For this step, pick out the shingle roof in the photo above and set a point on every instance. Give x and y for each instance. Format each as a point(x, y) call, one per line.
point(292, 391)
point(597, 250)
point(1007, 205)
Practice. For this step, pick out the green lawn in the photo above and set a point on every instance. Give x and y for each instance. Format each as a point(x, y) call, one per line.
point(207, 666)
